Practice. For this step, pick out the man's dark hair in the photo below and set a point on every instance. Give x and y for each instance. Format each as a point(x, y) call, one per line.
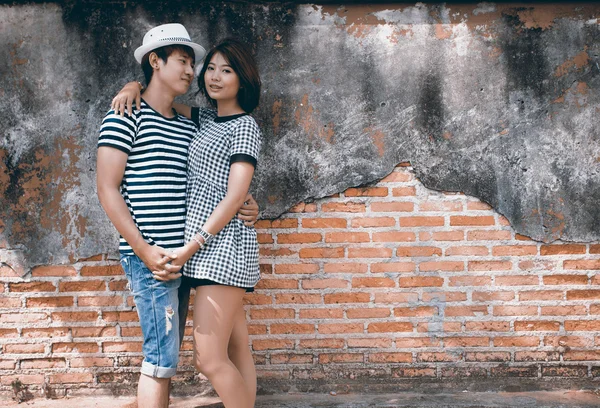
point(238, 56)
point(163, 53)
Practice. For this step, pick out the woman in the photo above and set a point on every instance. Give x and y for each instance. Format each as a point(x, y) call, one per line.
point(220, 256)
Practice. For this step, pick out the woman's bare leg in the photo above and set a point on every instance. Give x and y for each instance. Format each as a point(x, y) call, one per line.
point(240, 355)
point(215, 309)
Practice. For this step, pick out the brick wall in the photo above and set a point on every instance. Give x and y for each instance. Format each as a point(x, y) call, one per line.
point(390, 282)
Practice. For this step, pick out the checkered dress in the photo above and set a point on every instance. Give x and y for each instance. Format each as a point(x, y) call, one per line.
point(231, 258)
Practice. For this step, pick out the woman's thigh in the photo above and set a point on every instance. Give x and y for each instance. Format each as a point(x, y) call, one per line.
point(215, 309)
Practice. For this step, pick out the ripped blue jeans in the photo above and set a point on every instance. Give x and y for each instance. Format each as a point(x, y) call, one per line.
point(157, 306)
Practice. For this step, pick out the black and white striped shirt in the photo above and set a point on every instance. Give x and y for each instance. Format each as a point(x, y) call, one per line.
point(154, 183)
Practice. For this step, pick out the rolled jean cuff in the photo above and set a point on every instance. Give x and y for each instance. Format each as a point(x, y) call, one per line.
point(153, 371)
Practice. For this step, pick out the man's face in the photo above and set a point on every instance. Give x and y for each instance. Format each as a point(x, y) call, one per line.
point(177, 72)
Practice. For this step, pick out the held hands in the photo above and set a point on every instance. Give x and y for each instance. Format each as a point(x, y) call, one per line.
point(249, 211)
point(124, 99)
point(157, 260)
point(172, 270)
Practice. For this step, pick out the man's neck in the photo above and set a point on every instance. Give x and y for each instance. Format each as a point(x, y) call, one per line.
point(159, 99)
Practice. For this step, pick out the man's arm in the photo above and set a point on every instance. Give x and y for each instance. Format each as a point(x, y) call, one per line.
point(110, 169)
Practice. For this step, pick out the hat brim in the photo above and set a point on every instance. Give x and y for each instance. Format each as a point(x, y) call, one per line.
point(199, 51)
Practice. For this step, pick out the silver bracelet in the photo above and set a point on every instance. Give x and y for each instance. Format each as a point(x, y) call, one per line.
point(207, 236)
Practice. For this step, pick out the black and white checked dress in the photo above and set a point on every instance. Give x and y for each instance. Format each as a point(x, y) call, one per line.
point(231, 258)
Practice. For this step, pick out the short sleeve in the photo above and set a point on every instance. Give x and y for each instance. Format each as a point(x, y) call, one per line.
point(117, 132)
point(245, 142)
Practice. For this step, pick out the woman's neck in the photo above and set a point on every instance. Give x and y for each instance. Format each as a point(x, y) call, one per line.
point(228, 108)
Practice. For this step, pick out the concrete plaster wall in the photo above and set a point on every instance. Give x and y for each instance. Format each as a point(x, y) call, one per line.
point(494, 100)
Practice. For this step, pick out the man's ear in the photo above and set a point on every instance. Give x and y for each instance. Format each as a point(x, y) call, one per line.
point(153, 60)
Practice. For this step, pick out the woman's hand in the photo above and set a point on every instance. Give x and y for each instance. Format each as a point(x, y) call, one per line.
point(124, 99)
point(249, 211)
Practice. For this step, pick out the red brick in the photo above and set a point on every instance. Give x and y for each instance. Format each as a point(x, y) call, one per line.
point(394, 237)
point(516, 341)
point(334, 237)
point(373, 222)
point(105, 270)
point(261, 314)
point(564, 310)
point(279, 223)
point(54, 301)
point(415, 311)
point(24, 348)
point(417, 281)
point(595, 249)
point(587, 355)
point(448, 236)
point(393, 267)
point(416, 342)
point(120, 316)
point(366, 192)
point(514, 250)
point(444, 296)
point(341, 358)
point(485, 235)
point(444, 206)
point(492, 296)
point(594, 309)
point(537, 326)
point(403, 372)
point(43, 271)
point(469, 281)
point(79, 347)
point(396, 297)
point(438, 357)
point(404, 191)
point(564, 371)
point(487, 326)
point(568, 341)
point(478, 206)
point(390, 358)
point(394, 206)
point(71, 378)
point(49, 332)
point(299, 238)
point(516, 280)
point(253, 329)
point(131, 331)
point(8, 333)
point(343, 207)
point(321, 314)
point(292, 328)
point(277, 284)
point(564, 249)
point(390, 327)
point(265, 238)
point(303, 208)
point(100, 300)
point(121, 347)
point(324, 283)
point(448, 266)
point(583, 294)
point(32, 287)
point(488, 356)
point(281, 358)
point(538, 264)
point(565, 280)
point(541, 295)
point(31, 379)
point(582, 325)
point(369, 343)
point(21, 318)
point(422, 221)
point(373, 283)
point(515, 310)
point(117, 285)
point(321, 343)
point(369, 253)
point(582, 265)
point(86, 362)
point(298, 298)
point(337, 328)
point(467, 251)
point(257, 299)
point(466, 310)
point(537, 356)
point(357, 297)
point(368, 313)
point(447, 327)
point(418, 251)
point(489, 265)
point(324, 223)
point(463, 220)
point(296, 268)
point(345, 268)
point(10, 302)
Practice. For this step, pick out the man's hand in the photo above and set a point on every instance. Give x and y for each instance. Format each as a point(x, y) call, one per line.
point(156, 259)
point(249, 211)
point(172, 270)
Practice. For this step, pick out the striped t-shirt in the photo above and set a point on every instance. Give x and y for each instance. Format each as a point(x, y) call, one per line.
point(155, 178)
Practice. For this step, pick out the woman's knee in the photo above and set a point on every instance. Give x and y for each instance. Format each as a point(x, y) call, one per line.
point(209, 363)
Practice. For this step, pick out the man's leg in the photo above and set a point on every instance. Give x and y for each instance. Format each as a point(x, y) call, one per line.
point(153, 392)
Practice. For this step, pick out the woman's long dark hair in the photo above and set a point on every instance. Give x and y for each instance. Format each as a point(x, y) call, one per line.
point(238, 56)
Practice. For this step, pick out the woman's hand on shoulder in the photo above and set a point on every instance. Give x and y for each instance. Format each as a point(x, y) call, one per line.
point(131, 92)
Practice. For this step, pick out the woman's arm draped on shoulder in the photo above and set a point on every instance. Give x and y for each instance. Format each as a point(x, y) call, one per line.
point(131, 92)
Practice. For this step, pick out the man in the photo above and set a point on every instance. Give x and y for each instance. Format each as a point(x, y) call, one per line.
point(141, 177)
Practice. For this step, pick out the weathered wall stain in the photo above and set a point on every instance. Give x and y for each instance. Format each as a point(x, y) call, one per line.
point(496, 100)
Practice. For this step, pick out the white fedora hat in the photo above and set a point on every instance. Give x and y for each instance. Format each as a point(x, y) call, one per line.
point(167, 34)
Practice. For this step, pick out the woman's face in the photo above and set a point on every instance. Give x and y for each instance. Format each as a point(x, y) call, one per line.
point(221, 82)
